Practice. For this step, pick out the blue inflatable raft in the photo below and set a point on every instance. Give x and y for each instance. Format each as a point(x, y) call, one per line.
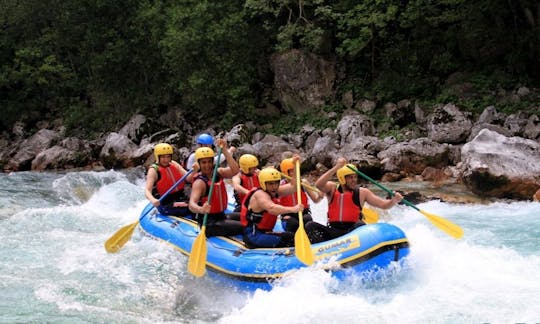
point(370, 247)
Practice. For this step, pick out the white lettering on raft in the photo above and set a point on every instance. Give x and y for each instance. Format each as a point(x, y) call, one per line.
point(340, 246)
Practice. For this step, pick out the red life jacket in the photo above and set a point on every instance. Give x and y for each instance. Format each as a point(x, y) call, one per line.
point(264, 221)
point(218, 204)
point(344, 207)
point(167, 177)
point(291, 200)
point(248, 182)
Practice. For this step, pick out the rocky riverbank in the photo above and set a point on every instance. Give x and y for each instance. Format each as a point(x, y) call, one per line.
point(495, 156)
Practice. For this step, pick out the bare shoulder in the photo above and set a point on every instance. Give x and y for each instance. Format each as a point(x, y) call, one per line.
point(151, 172)
point(198, 183)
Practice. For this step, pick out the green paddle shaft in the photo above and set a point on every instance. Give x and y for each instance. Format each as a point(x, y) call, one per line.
point(443, 224)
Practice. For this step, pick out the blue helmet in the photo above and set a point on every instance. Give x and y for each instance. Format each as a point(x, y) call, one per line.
point(205, 139)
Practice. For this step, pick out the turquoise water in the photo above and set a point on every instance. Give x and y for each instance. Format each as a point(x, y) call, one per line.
point(54, 269)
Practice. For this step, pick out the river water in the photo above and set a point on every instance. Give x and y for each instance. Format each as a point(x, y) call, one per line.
point(54, 268)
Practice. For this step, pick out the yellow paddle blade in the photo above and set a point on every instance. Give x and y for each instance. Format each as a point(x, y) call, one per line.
point(115, 242)
point(197, 258)
point(370, 216)
point(444, 225)
point(302, 246)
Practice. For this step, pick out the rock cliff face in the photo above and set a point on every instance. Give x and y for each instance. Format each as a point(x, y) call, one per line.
point(302, 81)
point(496, 155)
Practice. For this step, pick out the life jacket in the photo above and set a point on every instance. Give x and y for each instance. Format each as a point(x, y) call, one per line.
point(219, 196)
point(247, 182)
point(167, 177)
point(264, 221)
point(291, 200)
point(344, 206)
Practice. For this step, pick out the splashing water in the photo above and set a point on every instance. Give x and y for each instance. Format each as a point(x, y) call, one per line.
point(53, 267)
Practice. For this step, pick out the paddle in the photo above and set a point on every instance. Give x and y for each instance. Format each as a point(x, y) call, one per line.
point(370, 216)
point(302, 246)
point(443, 224)
point(305, 185)
point(199, 250)
point(118, 239)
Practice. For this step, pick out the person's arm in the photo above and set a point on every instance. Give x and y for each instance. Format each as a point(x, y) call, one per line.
point(261, 201)
point(376, 201)
point(151, 178)
point(286, 189)
point(179, 167)
point(315, 196)
point(197, 190)
point(324, 184)
point(232, 166)
point(237, 186)
point(223, 158)
point(183, 171)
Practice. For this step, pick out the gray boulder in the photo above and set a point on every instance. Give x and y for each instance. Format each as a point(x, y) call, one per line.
point(498, 166)
point(447, 124)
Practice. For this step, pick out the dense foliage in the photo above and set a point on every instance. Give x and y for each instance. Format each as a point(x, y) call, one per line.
point(97, 62)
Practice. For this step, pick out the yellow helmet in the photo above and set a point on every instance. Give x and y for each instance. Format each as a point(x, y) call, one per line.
point(162, 149)
point(204, 152)
point(247, 161)
point(267, 175)
point(345, 171)
point(286, 165)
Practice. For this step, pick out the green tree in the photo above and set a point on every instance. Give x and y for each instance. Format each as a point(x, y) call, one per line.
point(34, 81)
point(214, 55)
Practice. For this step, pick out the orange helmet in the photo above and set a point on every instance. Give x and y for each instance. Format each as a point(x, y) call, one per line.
point(286, 165)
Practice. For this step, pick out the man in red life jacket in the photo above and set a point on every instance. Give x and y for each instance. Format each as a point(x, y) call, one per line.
point(290, 221)
point(261, 208)
point(217, 223)
point(246, 179)
point(345, 201)
point(161, 176)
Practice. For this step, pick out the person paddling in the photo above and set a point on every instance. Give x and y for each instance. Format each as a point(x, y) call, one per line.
point(217, 223)
point(246, 179)
point(290, 220)
point(161, 176)
point(345, 201)
point(260, 210)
